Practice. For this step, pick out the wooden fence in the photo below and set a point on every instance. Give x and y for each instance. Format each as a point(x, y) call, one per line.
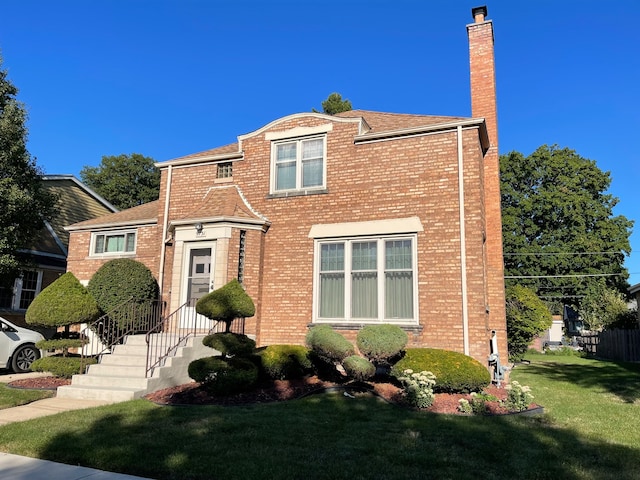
point(623, 345)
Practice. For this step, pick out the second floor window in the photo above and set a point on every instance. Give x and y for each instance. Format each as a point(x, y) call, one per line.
point(298, 164)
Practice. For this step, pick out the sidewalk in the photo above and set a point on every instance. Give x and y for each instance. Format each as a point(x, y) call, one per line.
point(15, 467)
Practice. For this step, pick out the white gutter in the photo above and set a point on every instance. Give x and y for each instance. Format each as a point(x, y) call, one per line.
point(463, 247)
point(165, 227)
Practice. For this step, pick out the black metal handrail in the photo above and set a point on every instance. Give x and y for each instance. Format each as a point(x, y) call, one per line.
point(173, 331)
point(131, 317)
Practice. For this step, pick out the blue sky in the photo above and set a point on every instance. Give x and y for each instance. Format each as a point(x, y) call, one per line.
point(165, 78)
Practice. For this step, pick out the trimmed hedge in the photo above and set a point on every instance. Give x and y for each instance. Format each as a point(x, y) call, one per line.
point(64, 302)
point(224, 375)
point(328, 344)
point(282, 362)
point(230, 344)
point(64, 367)
point(121, 279)
point(455, 372)
point(358, 368)
point(61, 343)
point(380, 343)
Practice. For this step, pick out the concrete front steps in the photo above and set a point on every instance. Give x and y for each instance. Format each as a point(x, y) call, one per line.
point(120, 376)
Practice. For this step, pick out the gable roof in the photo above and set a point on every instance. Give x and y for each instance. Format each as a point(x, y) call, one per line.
point(144, 214)
point(76, 202)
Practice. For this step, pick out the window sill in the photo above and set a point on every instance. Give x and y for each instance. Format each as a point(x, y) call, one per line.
point(407, 327)
point(297, 193)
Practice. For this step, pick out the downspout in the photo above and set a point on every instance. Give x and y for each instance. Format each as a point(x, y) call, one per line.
point(463, 247)
point(165, 228)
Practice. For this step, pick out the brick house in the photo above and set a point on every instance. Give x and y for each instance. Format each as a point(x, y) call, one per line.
point(359, 218)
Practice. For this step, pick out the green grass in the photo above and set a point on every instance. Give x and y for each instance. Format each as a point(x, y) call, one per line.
point(329, 436)
point(13, 397)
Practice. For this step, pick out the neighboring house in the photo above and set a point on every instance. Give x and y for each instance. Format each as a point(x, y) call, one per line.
point(634, 291)
point(354, 219)
point(48, 253)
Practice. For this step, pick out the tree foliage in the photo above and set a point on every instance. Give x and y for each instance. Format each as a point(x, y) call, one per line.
point(558, 222)
point(124, 180)
point(527, 316)
point(335, 104)
point(24, 201)
point(603, 307)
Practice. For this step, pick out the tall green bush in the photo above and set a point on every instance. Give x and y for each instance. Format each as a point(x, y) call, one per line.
point(527, 317)
point(226, 303)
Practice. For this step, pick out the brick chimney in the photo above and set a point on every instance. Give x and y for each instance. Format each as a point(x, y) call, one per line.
point(483, 105)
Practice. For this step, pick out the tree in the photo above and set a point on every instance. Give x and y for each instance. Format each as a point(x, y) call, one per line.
point(25, 202)
point(527, 316)
point(124, 180)
point(226, 303)
point(603, 307)
point(334, 104)
point(559, 231)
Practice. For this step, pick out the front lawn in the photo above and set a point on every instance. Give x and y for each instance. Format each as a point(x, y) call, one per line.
point(330, 436)
point(13, 397)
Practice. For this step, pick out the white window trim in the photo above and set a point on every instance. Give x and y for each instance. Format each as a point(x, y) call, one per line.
point(298, 187)
point(107, 233)
point(381, 275)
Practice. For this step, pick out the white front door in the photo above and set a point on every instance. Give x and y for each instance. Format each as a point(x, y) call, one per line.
point(198, 271)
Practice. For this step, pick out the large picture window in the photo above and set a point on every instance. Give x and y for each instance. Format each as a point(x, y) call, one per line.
point(113, 243)
point(366, 280)
point(298, 164)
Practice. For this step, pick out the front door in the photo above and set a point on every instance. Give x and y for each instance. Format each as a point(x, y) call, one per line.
point(197, 281)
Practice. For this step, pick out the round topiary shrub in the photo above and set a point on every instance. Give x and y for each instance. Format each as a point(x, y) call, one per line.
point(120, 279)
point(455, 372)
point(358, 368)
point(380, 343)
point(327, 344)
point(224, 375)
point(226, 303)
point(282, 362)
point(230, 344)
point(64, 367)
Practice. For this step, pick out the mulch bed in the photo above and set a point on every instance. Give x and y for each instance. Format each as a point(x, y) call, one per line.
point(282, 390)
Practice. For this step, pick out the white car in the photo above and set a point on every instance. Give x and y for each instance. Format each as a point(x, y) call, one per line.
point(18, 346)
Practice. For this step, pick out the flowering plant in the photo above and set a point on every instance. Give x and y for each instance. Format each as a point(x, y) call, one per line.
point(418, 387)
point(519, 397)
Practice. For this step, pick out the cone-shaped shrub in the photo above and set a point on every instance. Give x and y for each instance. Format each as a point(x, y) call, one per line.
point(64, 302)
point(226, 303)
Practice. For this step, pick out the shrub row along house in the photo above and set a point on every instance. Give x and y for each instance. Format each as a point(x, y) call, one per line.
point(357, 218)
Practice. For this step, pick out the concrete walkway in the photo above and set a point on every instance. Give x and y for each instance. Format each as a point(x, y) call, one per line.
point(16, 467)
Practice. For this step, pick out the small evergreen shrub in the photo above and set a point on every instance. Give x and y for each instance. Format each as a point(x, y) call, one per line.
point(455, 372)
point(358, 368)
point(328, 344)
point(64, 302)
point(226, 303)
point(418, 387)
point(64, 367)
point(285, 361)
point(230, 344)
point(380, 343)
point(224, 375)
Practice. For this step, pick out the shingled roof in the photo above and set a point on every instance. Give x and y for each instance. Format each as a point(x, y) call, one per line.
point(142, 214)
